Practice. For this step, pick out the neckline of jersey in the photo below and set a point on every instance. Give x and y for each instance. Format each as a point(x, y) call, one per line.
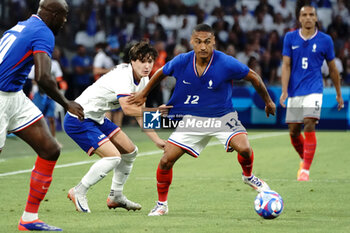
point(206, 68)
point(302, 37)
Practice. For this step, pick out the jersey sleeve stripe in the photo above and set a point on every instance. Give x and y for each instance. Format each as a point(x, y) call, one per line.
point(39, 51)
point(23, 58)
point(122, 95)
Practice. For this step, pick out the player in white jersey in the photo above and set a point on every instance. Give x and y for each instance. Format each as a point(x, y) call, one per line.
point(101, 65)
point(97, 134)
point(102, 62)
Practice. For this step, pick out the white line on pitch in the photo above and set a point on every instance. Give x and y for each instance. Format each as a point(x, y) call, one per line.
point(252, 137)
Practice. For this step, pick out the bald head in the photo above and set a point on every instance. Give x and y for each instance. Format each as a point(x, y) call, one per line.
point(53, 13)
point(53, 5)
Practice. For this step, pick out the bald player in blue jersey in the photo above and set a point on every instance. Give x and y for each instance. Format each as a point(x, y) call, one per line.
point(304, 51)
point(203, 92)
point(27, 43)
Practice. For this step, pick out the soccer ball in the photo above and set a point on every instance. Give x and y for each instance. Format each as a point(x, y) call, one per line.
point(268, 204)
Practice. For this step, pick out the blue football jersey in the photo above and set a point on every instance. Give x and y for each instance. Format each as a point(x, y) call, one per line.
point(17, 47)
point(307, 57)
point(209, 95)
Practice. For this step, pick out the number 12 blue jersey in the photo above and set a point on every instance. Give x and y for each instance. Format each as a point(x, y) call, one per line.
point(17, 47)
point(209, 95)
point(307, 57)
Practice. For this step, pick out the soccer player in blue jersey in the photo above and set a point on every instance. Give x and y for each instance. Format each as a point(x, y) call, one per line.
point(304, 51)
point(27, 43)
point(203, 92)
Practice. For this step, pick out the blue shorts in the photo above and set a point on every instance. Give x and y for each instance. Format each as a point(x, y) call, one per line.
point(89, 134)
point(45, 104)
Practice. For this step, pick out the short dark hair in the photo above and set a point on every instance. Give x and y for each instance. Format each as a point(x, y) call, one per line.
point(141, 51)
point(203, 28)
point(300, 4)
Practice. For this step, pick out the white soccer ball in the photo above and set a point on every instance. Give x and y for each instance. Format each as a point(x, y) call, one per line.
point(268, 204)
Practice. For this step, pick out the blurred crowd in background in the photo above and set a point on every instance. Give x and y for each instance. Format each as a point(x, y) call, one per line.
point(250, 30)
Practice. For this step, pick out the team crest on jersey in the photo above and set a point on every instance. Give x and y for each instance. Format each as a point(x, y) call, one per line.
point(210, 84)
point(314, 46)
point(151, 119)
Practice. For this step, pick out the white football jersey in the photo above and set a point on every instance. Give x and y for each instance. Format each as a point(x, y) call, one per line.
point(56, 70)
point(103, 95)
point(101, 60)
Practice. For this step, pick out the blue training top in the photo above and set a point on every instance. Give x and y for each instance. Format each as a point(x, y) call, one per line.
point(17, 47)
point(209, 95)
point(307, 57)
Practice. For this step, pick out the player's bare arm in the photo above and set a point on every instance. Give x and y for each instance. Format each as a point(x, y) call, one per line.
point(43, 77)
point(333, 72)
point(255, 79)
point(285, 79)
point(140, 97)
point(130, 109)
point(136, 111)
point(160, 143)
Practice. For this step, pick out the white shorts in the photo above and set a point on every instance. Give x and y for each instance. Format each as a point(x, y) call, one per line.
point(301, 107)
point(194, 140)
point(17, 112)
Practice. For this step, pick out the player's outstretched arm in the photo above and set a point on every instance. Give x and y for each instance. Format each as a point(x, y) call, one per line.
point(333, 72)
point(43, 78)
point(139, 98)
point(255, 79)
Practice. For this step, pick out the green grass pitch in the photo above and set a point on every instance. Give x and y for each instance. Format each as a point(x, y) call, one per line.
point(207, 194)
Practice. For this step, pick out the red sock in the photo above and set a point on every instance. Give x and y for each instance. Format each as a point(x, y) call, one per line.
point(309, 149)
point(40, 181)
point(298, 144)
point(164, 178)
point(246, 164)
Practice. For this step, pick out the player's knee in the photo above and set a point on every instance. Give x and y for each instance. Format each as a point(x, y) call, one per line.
point(294, 130)
point(309, 125)
point(56, 151)
point(245, 151)
point(50, 150)
point(130, 157)
point(165, 163)
point(294, 133)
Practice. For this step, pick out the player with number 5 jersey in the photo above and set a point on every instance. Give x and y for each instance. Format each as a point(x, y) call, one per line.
point(304, 51)
point(203, 93)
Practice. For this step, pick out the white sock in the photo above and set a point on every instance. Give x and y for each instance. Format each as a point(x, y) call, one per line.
point(80, 188)
point(122, 171)
point(99, 170)
point(28, 217)
point(306, 171)
point(163, 202)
